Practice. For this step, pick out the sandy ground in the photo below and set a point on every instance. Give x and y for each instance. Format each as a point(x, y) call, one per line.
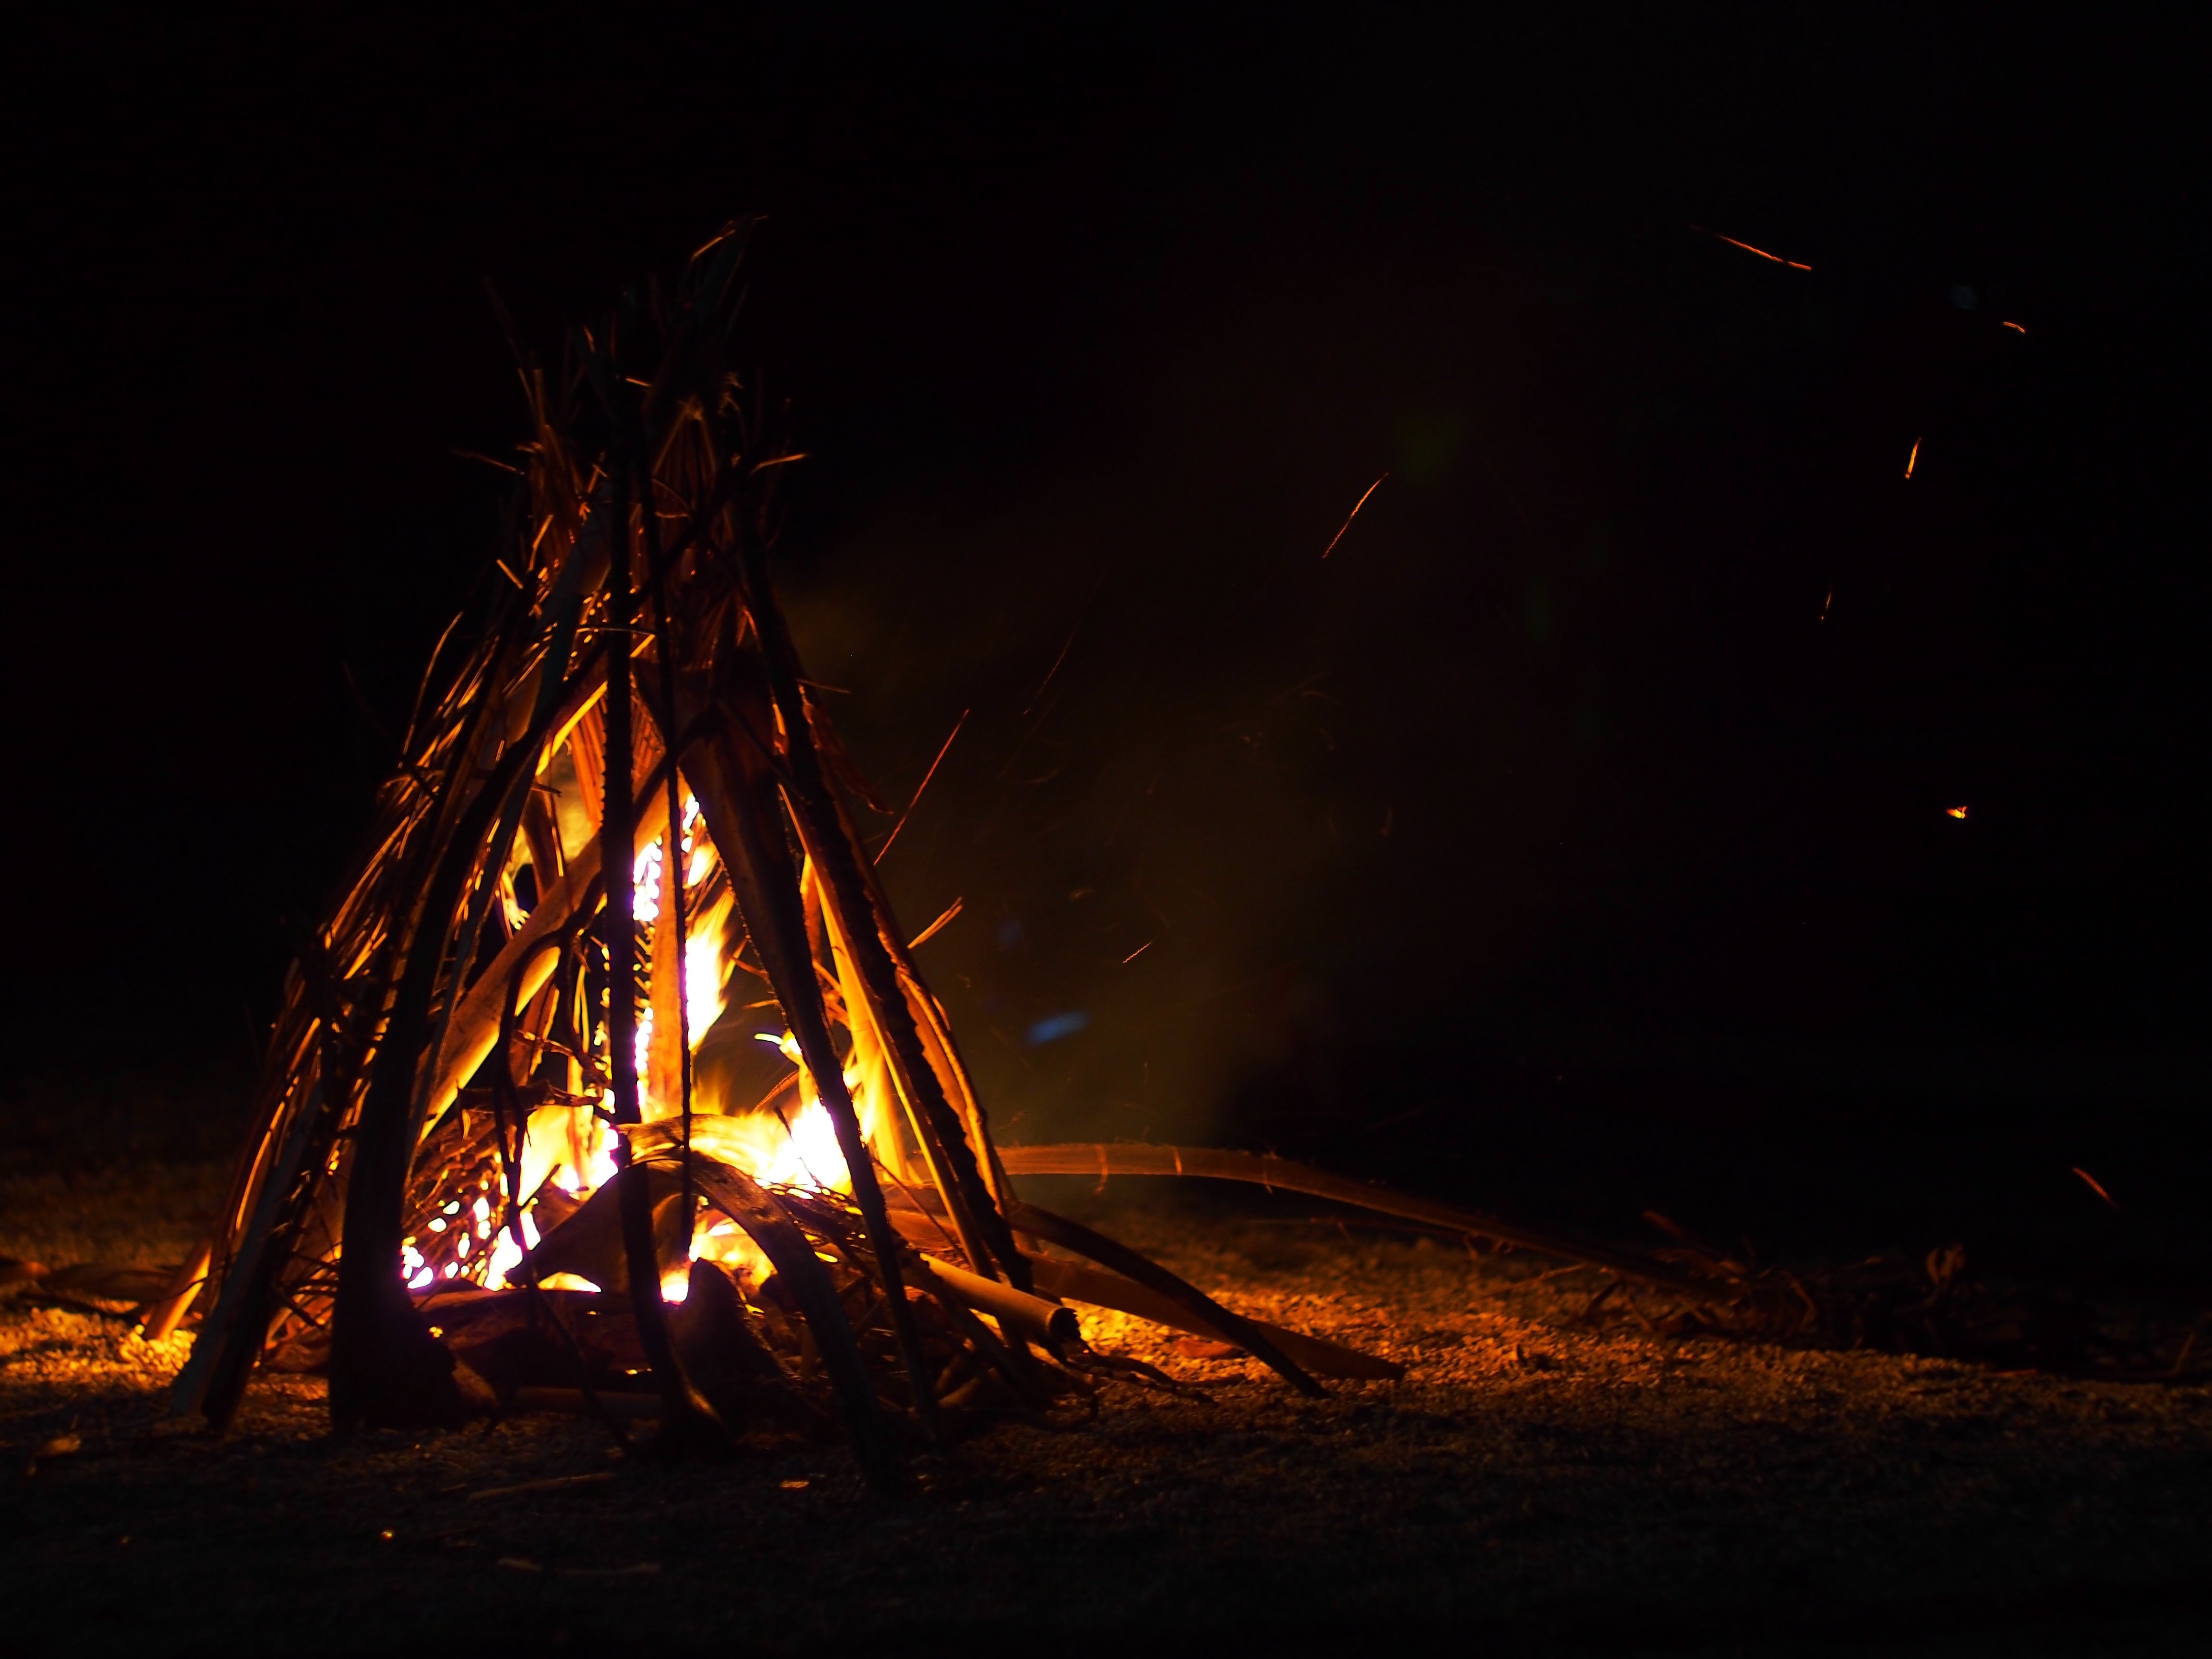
point(1536, 1483)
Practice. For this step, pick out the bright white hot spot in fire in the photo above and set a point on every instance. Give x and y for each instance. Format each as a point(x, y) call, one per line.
point(703, 984)
point(703, 951)
point(507, 1255)
point(645, 884)
point(806, 1153)
point(698, 860)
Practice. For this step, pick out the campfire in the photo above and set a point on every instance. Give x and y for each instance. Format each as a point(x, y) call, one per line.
point(610, 1083)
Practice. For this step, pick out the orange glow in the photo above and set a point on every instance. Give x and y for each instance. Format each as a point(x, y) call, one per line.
point(1825, 603)
point(1959, 812)
point(1350, 516)
point(1913, 460)
point(786, 1140)
point(2015, 328)
point(1134, 954)
point(1794, 265)
point(2090, 1181)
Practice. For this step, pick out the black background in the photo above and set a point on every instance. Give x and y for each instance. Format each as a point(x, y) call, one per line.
point(1572, 839)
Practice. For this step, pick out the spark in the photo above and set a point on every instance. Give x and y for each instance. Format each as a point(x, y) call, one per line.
point(1794, 265)
point(1134, 954)
point(2015, 328)
point(1350, 516)
point(1067, 645)
point(924, 784)
point(1825, 603)
point(934, 928)
point(1913, 460)
point(2092, 1184)
point(1958, 812)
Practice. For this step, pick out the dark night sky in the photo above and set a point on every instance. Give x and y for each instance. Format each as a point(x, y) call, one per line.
point(1547, 825)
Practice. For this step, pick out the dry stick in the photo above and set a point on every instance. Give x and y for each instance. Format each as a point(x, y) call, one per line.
point(941, 1055)
point(251, 1291)
point(368, 936)
point(385, 1366)
point(743, 1201)
point(737, 787)
point(1010, 1359)
point(227, 1235)
point(861, 1017)
point(504, 1098)
point(1079, 1282)
point(1019, 1377)
point(1107, 1253)
point(164, 1315)
point(672, 864)
point(230, 1338)
point(564, 609)
point(316, 1040)
point(1046, 1323)
point(1265, 1170)
point(474, 1029)
point(849, 879)
point(686, 1418)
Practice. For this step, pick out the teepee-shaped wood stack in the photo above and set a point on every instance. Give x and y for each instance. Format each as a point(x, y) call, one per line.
point(619, 824)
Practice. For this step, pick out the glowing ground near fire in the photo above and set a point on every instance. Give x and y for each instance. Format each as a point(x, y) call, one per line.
point(1579, 1482)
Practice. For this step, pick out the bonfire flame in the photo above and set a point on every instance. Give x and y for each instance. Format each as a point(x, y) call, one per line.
point(786, 1140)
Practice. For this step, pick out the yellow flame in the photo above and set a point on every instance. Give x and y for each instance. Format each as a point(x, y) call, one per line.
point(645, 884)
point(703, 984)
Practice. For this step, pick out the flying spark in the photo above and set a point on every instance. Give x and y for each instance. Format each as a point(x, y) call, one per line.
point(937, 926)
point(1794, 265)
point(919, 787)
point(2094, 1185)
point(1350, 516)
point(1958, 812)
point(1913, 460)
point(2015, 328)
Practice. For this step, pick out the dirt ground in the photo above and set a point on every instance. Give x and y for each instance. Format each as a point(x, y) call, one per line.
point(1536, 1483)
